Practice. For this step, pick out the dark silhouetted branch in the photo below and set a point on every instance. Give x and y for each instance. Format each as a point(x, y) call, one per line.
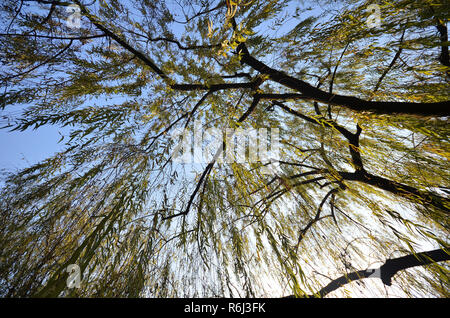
point(408, 192)
point(351, 102)
point(192, 87)
point(210, 165)
point(386, 271)
point(194, 109)
point(40, 64)
point(316, 218)
point(396, 56)
point(241, 74)
point(181, 46)
point(220, 5)
point(121, 41)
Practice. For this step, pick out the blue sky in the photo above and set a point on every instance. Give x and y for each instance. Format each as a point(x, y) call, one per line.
point(20, 149)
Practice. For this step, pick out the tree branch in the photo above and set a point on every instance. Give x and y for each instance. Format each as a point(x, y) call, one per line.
point(241, 74)
point(441, 26)
point(408, 192)
point(210, 165)
point(220, 5)
point(386, 271)
point(194, 109)
point(396, 56)
point(121, 41)
point(351, 102)
point(361, 175)
point(193, 87)
point(316, 218)
point(182, 47)
point(40, 64)
point(330, 89)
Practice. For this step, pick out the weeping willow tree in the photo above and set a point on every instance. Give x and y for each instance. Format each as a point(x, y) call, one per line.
point(359, 94)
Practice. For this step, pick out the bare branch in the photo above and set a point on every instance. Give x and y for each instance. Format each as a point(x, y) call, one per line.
point(396, 56)
point(351, 102)
point(386, 271)
point(316, 218)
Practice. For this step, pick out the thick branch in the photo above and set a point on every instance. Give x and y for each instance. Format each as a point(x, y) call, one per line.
point(353, 146)
point(215, 87)
point(444, 58)
point(386, 271)
point(156, 69)
point(241, 74)
point(441, 26)
point(411, 193)
point(353, 138)
point(121, 41)
point(354, 103)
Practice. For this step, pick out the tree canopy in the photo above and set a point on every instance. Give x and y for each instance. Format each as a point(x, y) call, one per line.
point(359, 94)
